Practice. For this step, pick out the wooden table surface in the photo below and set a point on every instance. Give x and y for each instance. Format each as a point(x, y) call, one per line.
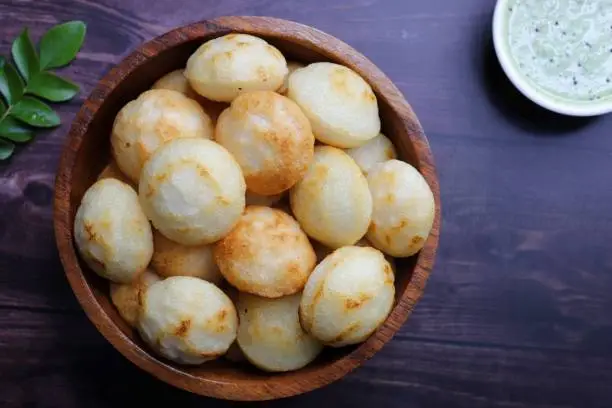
point(518, 310)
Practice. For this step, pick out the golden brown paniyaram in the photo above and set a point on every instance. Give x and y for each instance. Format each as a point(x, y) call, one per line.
point(146, 123)
point(332, 202)
point(270, 334)
point(348, 296)
point(266, 254)
point(173, 259)
point(404, 208)
point(187, 320)
point(340, 104)
point(112, 171)
point(378, 150)
point(126, 296)
point(270, 138)
point(224, 67)
point(112, 232)
point(192, 190)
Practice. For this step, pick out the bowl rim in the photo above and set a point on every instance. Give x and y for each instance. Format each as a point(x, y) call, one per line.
point(271, 388)
point(529, 90)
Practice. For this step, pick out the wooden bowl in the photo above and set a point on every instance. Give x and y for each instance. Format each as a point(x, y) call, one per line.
point(88, 150)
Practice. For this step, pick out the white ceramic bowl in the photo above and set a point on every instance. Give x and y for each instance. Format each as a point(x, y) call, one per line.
point(525, 86)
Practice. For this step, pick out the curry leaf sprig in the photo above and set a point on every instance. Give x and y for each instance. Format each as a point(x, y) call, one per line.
point(27, 81)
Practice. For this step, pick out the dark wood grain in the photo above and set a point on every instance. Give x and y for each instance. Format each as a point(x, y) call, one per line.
point(517, 311)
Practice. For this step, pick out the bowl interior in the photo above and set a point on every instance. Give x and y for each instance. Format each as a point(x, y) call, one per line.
point(92, 152)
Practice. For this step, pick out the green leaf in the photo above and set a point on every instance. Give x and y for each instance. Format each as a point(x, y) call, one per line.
point(11, 84)
point(2, 107)
point(6, 149)
point(35, 113)
point(1, 70)
point(61, 44)
point(12, 129)
point(24, 55)
point(52, 87)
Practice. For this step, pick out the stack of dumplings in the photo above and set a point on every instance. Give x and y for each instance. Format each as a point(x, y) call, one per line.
point(224, 230)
